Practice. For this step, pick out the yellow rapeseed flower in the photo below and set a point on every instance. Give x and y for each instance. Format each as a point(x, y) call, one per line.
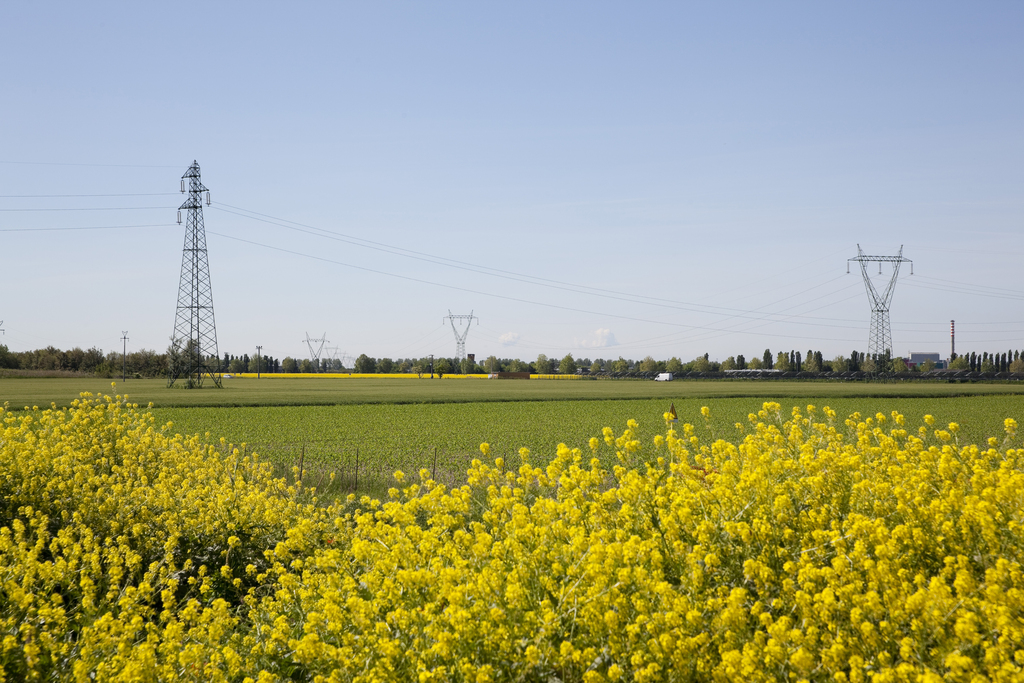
point(806, 548)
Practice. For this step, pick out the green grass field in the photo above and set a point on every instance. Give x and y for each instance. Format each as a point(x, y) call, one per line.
point(390, 437)
point(20, 392)
point(400, 424)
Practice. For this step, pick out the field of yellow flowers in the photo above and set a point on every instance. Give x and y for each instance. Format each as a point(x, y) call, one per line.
point(812, 548)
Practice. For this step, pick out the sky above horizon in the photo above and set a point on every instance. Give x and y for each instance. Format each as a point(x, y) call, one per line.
point(599, 179)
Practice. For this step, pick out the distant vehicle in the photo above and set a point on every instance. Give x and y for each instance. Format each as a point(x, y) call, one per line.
point(227, 376)
point(663, 377)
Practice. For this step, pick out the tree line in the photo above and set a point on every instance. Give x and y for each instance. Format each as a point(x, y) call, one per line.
point(1006, 361)
point(784, 361)
point(149, 363)
point(93, 361)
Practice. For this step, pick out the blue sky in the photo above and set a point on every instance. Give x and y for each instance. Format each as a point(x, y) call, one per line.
point(659, 178)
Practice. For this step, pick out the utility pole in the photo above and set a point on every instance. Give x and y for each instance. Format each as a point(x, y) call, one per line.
point(431, 366)
point(880, 335)
point(460, 339)
point(194, 341)
point(259, 357)
point(124, 352)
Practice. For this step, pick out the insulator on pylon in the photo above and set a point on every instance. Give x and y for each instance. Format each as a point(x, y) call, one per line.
point(207, 197)
point(179, 216)
point(183, 185)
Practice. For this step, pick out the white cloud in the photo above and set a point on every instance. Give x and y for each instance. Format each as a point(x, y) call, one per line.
point(509, 339)
point(602, 337)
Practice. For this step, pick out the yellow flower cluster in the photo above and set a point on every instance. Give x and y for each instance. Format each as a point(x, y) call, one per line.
point(126, 550)
point(812, 548)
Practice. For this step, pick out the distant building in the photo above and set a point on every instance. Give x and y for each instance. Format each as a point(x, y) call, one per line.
point(918, 358)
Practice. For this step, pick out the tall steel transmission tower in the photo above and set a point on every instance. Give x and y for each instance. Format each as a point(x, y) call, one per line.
point(880, 335)
point(332, 355)
point(194, 354)
point(343, 359)
point(315, 355)
point(460, 337)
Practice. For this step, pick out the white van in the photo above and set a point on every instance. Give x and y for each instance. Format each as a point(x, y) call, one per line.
point(663, 377)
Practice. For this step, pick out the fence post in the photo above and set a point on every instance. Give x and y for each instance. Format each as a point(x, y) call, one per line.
point(433, 469)
point(355, 484)
point(302, 458)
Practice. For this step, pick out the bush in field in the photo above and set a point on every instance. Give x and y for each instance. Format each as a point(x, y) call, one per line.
point(810, 549)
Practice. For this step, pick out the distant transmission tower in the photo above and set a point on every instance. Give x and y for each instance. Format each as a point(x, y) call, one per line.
point(316, 354)
point(332, 355)
point(460, 338)
point(880, 336)
point(194, 342)
point(343, 359)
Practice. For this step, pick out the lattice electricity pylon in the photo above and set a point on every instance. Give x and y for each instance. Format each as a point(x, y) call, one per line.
point(879, 335)
point(331, 356)
point(460, 339)
point(193, 353)
point(315, 354)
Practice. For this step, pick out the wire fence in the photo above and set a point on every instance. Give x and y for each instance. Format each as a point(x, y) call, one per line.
point(367, 470)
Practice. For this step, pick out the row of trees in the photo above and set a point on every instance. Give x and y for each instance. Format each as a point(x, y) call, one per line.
point(149, 363)
point(1008, 361)
point(441, 366)
point(812, 361)
point(245, 363)
point(141, 363)
point(785, 361)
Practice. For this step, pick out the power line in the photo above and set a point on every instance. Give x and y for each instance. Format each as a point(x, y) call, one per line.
point(511, 275)
point(958, 290)
point(59, 163)
point(417, 344)
point(53, 196)
point(736, 328)
point(490, 294)
point(94, 208)
point(91, 227)
point(761, 278)
point(758, 315)
point(986, 252)
point(995, 290)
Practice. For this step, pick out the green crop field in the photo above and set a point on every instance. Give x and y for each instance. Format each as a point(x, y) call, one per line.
point(389, 437)
point(410, 424)
point(20, 392)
